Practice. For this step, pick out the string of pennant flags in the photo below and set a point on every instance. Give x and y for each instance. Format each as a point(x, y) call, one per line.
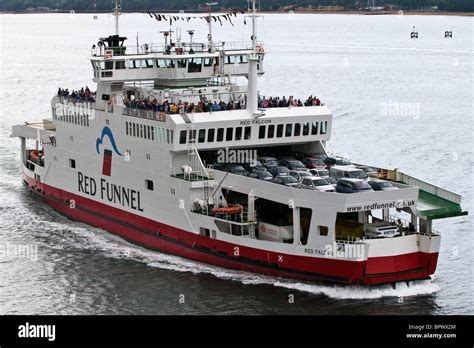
point(216, 18)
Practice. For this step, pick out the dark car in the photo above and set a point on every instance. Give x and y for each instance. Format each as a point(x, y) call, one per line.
point(313, 162)
point(381, 185)
point(254, 165)
point(268, 161)
point(337, 161)
point(236, 169)
point(261, 174)
point(293, 164)
point(279, 171)
point(352, 186)
point(286, 180)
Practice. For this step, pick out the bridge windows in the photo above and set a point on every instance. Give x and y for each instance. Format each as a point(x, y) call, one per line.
point(202, 135)
point(247, 133)
point(306, 128)
point(297, 130)
point(182, 137)
point(208, 61)
point(271, 131)
point(288, 130)
point(194, 65)
point(220, 134)
point(238, 133)
point(160, 63)
point(181, 63)
point(261, 132)
point(314, 128)
point(229, 134)
point(210, 135)
point(279, 131)
point(120, 64)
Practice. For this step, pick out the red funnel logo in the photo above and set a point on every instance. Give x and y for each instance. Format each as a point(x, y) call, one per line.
point(107, 163)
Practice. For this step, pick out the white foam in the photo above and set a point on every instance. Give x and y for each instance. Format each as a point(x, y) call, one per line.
point(112, 246)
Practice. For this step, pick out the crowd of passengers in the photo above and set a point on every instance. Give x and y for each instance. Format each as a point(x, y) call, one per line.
point(205, 105)
point(84, 94)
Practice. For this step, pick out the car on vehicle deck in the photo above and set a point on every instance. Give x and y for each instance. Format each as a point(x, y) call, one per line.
point(316, 183)
point(349, 185)
point(261, 175)
point(287, 180)
point(381, 185)
point(279, 171)
point(299, 174)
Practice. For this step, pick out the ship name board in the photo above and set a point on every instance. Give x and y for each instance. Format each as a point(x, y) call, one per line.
point(257, 121)
point(108, 191)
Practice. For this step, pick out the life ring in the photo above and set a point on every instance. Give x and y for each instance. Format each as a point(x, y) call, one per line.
point(236, 209)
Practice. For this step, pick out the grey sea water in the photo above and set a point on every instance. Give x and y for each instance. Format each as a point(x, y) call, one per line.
point(397, 102)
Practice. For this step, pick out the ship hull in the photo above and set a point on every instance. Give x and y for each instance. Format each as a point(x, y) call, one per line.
point(157, 236)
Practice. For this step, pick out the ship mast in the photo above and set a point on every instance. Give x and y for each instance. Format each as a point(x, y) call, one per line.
point(252, 88)
point(209, 24)
point(117, 14)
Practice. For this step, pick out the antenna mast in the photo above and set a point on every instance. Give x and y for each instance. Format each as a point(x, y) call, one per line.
point(117, 11)
point(252, 89)
point(209, 23)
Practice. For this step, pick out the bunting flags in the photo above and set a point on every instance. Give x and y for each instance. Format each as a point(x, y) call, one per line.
point(227, 16)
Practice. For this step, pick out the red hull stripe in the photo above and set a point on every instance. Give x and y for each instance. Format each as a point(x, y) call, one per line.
point(219, 253)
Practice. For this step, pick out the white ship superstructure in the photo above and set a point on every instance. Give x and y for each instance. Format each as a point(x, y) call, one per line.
point(152, 155)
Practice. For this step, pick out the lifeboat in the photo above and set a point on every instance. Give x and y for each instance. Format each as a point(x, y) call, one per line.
point(236, 209)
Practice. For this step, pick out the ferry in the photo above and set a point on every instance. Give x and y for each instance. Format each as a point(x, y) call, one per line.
point(166, 151)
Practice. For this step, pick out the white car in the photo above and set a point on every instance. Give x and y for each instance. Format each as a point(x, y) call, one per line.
point(316, 183)
point(299, 174)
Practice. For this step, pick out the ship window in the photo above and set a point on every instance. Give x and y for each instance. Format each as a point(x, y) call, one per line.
point(244, 59)
point(120, 64)
point(231, 59)
point(208, 61)
point(306, 128)
point(149, 184)
point(141, 131)
point(181, 63)
point(305, 223)
point(153, 133)
point(297, 130)
point(220, 134)
point(271, 131)
point(314, 128)
point(133, 64)
point(147, 63)
point(169, 63)
point(261, 132)
point(133, 129)
point(182, 137)
point(247, 133)
point(169, 134)
point(126, 128)
point(107, 74)
point(148, 133)
point(323, 230)
point(194, 65)
point(72, 163)
point(192, 136)
point(108, 65)
point(238, 133)
point(160, 63)
point(202, 135)
point(324, 127)
point(288, 130)
point(210, 135)
point(229, 134)
point(279, 131)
